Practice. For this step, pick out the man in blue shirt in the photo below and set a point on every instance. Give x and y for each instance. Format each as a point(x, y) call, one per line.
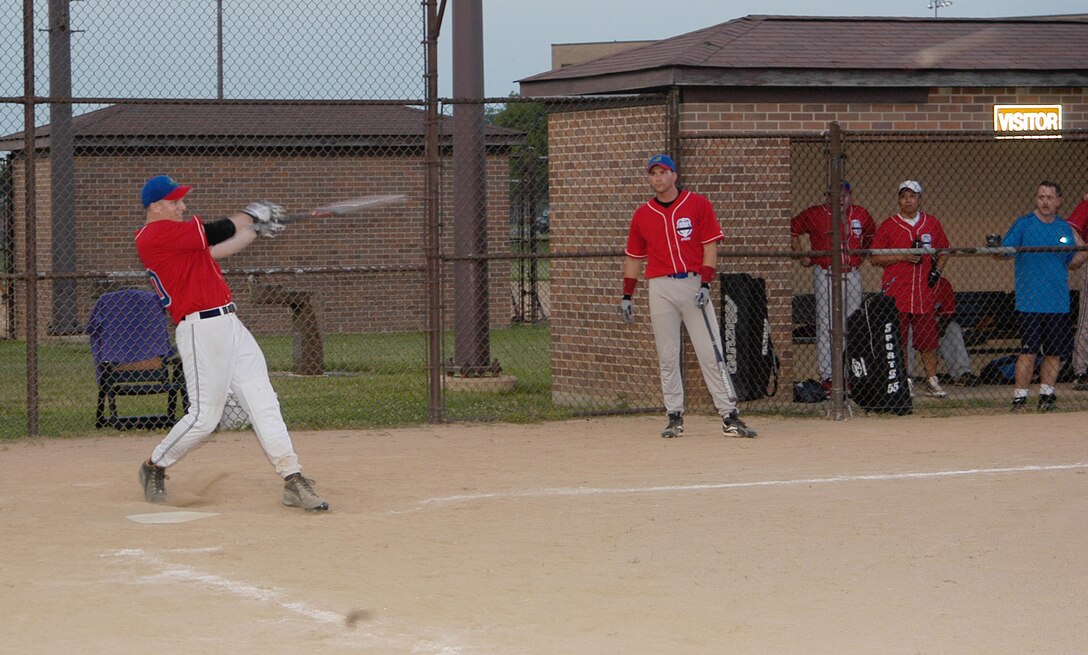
point(1042, 293)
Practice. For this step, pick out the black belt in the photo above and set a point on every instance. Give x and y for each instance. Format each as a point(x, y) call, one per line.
point(218, 311)
point(681, 276)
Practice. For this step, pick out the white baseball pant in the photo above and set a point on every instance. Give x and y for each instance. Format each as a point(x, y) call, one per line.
point(218, 355)
point(672, 302)
point(851, 298)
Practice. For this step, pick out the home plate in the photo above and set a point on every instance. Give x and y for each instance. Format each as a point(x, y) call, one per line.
point(169, 517)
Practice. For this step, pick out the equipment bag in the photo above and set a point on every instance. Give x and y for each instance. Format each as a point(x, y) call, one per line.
point(875, 362)
point(1002, 370)
point(746, 336)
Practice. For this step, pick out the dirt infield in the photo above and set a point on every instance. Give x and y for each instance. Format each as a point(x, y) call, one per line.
point(905, 535)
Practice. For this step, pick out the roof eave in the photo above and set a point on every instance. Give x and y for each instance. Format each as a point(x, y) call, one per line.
point(796, 77)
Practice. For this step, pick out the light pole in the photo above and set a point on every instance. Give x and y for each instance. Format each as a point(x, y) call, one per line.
point(938, 4)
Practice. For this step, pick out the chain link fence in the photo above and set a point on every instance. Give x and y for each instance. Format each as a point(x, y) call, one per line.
point(491, 292)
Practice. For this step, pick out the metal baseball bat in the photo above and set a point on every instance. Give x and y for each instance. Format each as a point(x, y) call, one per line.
point(350, 206)
point(730, 392)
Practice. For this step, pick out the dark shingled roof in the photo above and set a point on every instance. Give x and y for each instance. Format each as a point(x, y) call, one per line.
point(308, 124)
point(748, 51)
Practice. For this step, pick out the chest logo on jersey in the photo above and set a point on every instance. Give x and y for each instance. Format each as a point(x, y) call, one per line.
point(926, 239)
point(683, 228)
point(855, 227)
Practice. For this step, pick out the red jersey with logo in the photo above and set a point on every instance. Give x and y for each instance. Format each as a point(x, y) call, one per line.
point(180, 263)
point(858, 228)
point(906, 282)
point(1079, 219)
point(671, 239)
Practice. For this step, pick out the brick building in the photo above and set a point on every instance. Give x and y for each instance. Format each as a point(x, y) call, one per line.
point(302, 156)
point(742, 104)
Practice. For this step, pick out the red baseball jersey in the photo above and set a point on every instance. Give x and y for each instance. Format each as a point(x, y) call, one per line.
point(906, 282)
point(944, 298)
point(858, 228)
point(1079, 219)
point(182, 270)
point(671, 239)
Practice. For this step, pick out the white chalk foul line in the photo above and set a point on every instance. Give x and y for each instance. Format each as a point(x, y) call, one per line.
point(879, 477)
point(181, 573)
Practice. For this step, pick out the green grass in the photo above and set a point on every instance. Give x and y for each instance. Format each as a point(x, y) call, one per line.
point(372, 380)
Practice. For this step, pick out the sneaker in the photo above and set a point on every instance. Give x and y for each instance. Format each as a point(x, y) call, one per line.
point(732, 426)
point(1046, 402)
point(675, 428)
point(826, 386)
point(1019, 404)
point(933, 388)
point(299, 492)
point(969, 380)
point(153, 480)
point(1081, 383)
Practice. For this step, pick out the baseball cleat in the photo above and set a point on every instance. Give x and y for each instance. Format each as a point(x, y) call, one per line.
point(732, 426)
point(675, 428)
point(1019, 404)
point(933, 388)
point(153, 480)
point(1046, 401)
point(299, 492)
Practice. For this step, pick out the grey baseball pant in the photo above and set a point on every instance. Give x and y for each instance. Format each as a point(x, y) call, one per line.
point(672, 303)
point(821, 289)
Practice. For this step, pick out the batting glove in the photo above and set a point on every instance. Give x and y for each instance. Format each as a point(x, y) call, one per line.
point(627, 310)
point(703, 297)
point(267, 217)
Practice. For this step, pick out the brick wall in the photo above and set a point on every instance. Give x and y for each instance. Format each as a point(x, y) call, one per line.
point(108, 212)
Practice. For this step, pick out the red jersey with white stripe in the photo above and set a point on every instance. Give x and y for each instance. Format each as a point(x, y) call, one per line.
point(858, 228)
point(671, 239)
point(906, 282)
point(182, 269)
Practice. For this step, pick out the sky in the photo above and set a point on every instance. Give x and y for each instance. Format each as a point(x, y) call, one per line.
point(518, 34)
point(347, 49)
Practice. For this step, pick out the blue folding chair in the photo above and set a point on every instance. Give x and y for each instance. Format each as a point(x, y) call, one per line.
point(130, 346)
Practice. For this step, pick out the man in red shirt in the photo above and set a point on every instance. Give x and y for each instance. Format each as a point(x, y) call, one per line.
point(218, 353)
point(1079, 220)
point(677, 233)
point(858, 228)
point(911, 278)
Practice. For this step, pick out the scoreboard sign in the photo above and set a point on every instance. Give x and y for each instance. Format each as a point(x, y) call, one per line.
point(1025, 120)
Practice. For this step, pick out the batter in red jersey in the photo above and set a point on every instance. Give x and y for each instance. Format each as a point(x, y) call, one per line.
point(911, 278)
point(676, 233)
point(218, 353)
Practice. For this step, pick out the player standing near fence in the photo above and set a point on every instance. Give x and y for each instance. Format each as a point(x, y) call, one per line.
point(1042, 294)
point(911, 279)
point(218, 353)
point(858, 228)
point(677, 233)
point(1078, 218)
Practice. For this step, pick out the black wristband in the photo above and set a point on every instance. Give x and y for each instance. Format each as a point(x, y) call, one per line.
point(705, 285)
point(626, 296)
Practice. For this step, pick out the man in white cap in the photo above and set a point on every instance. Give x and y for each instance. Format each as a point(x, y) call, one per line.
point(911, 279)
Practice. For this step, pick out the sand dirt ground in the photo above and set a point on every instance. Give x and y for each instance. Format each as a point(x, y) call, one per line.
point(875, 535)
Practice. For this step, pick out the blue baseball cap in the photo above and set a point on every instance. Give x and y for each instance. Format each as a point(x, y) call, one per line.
point(161, 187)
point(845, 186)
point(661, 160)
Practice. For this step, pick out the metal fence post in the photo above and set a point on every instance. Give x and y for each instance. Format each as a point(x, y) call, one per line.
point(837, 328)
